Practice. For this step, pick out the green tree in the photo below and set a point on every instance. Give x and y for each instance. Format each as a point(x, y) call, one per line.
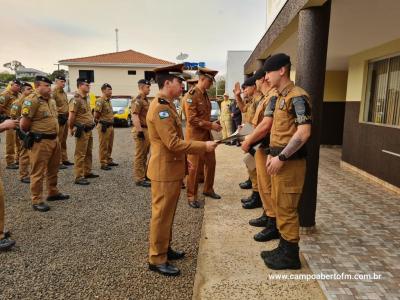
point(56, 73)
point(6, 77)
point(13, 65)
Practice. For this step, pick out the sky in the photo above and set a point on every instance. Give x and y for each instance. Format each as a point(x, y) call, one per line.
point(39, 33)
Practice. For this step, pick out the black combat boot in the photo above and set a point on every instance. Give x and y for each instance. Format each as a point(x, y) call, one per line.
point(269, 233)
point(246, 185)
point(255, 201)
point(286, 258)
point(260, 221)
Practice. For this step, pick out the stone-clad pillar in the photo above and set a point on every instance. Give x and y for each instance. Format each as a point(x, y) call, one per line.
point(313, 31)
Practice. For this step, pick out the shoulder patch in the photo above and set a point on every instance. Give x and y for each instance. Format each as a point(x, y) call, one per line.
point(28, 103)
point(2, 99)
point(98, 103)
point(25, 111)
point(189, 100)
point(163, 114)
point(162, 101)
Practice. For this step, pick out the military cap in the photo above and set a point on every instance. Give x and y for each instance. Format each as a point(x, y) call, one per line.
point(259, 74)
point(192, 81)
point(106, 85)
point(27, 84)
point(276, 61)
point(249, 81)
point(16, 81)
point(43, 78)
point(226, 94)
point(175, 70)
point(144, 81)
point(207, 72)
point(82, 80)
point(60, 77)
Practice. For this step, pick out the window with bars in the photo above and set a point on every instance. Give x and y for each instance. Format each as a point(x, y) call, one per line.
point(383, 92)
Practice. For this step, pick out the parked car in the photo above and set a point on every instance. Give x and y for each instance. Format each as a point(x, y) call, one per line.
point(122, 110)
point(215, 111)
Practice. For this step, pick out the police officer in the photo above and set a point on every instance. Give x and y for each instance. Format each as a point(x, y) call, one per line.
point(198, 128)
point(225, 117)
point(81, 124)
point(286, 163)
point(103, 115)
point(167, 167)
point(139, 108)
point(5, 241)
point(7, 98)
point(261, 134)
point(252, 86)
point(15, 113)
point(62, 106)
point(39, 117)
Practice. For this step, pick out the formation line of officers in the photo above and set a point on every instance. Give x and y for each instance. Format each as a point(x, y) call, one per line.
point(279, 111)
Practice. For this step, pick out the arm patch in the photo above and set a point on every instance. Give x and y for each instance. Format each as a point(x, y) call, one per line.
point(302, 110)
point(270, 108)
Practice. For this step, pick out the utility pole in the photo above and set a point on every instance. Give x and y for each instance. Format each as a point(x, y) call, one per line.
point(116, 38)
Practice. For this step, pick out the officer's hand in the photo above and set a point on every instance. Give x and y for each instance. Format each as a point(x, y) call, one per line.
point(140, 135)
point(215, 126)
point(274, 165)
point(245, 146)
point(210, 146)
point(72, 131)
point(9, 124)
point(237, 91)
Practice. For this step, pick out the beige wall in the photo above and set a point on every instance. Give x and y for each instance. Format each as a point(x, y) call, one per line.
point(121, 82)
point(335, 86)
point(358, 68)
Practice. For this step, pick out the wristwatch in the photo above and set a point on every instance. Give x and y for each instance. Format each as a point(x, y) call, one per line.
point(282, 157)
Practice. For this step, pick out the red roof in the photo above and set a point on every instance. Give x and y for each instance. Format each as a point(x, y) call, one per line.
point(122, 57)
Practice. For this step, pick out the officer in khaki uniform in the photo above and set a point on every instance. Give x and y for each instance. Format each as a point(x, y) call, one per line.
point(198, 128)
point(5, 241)
point(15, 113)
point(81, 124)
point(225, 117)
point(61, 99)
point(7, 98)
point(263, 123)
point(139, 109)
point(286, 163)
point(252, 90)
point(39, 117)
point(167, 167)
point(103, 114)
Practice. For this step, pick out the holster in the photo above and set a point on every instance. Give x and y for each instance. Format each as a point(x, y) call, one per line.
point(79, 130)
point(28, 140)
point(105, 125)
point(62, 119)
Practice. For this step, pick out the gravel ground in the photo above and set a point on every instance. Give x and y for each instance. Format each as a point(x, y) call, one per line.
point(94, 245)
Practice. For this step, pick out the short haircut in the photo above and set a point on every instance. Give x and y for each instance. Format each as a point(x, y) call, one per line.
point(103, 88)
point(288, 67)
point(162, 78)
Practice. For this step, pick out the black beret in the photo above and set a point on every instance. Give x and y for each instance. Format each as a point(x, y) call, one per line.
point(276, 61)
point(250, 81)
point(27, 84)
point(106, 85)
point(44, 79)
point(16, 81)
point(82, 80)
point(61, 77)
point(144, 81)
point(259, 74)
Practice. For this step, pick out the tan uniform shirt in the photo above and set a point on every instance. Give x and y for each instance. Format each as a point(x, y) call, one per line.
point(7, 98)
point(168, 148)
point(251, 107)
point(16, 107)
point(198, 113)
point(140, 106)
point(81, 107)
point(259, 114)
point(61, 100)
point(42, 112)
point(104, 107)
point(286, 117)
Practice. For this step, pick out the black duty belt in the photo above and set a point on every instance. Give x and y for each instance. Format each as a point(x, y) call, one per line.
point(301, 153)
point(44, 136)
point(106, 124)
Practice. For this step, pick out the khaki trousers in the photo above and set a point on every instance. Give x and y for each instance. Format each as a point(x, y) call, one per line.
point(62, 137)
point(226, 128)
point(165, 196)
point(83, 155)
point(1, 210)
point(45, 161)
point(287, 187)
point(264, 183)
point(18, 148)
point(253, 179)
point(106, 140)
point(10, 146)
point(192, 183)
point(24, 166)
point(142, 148)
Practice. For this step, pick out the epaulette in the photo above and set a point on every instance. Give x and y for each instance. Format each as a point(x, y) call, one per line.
point(192, 91)
point(162, 101)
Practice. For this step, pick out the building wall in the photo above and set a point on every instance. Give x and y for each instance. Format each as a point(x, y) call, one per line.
point(364, 143)
point(121, 82)
point(273, 9)
point(234, 69)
